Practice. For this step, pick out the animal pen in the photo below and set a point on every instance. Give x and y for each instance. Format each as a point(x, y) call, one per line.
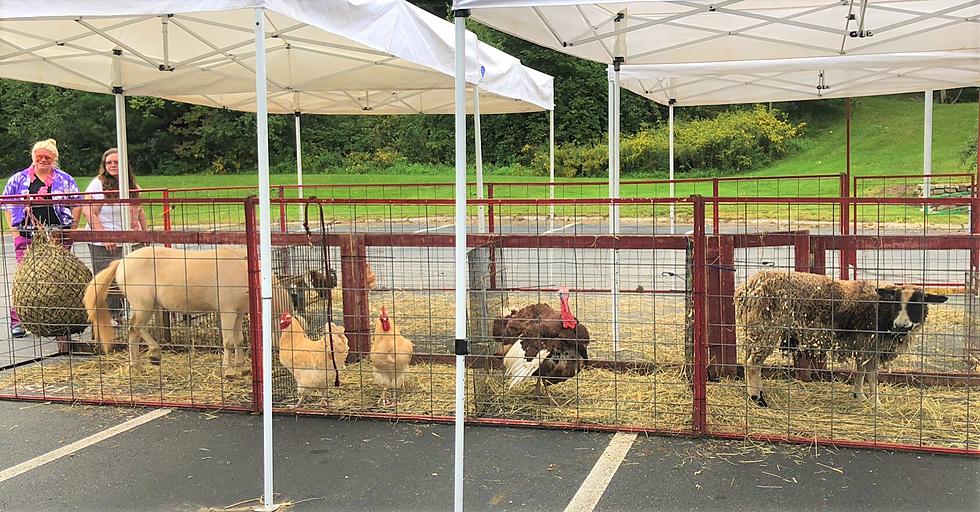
point(665, 352)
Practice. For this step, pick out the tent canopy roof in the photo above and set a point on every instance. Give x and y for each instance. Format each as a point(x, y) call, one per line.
point(674, 31)
point(711, 83)
point(335, 56)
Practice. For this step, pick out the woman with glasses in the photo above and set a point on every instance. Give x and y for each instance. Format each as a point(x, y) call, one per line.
point(109, 216)
point(42, 178)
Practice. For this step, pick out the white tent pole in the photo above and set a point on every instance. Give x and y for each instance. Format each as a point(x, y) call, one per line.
point(551, 168)
point(927, 148)
point(299, 163)
point(121, 142)
point(265, 255)
point(478, 148)
point(615, 223)
point(461, 348)
point(612, 151)
point(671, 158)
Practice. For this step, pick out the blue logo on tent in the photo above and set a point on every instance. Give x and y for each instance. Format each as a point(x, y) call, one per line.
point(483, 71)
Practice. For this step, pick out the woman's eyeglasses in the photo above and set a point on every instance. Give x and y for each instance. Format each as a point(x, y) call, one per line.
point(109, 163)
point(44, 158)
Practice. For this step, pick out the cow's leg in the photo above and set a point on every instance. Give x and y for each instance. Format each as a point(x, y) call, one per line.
point(753, 375)
point(860, 365)
point(872, 369)
point(230, 366)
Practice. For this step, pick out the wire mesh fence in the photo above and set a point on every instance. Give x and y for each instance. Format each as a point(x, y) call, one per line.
point(574, 321)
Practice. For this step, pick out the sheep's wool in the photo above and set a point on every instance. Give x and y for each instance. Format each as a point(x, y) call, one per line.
point(811, 312)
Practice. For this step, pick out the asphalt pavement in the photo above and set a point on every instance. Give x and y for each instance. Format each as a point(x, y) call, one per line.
point(189, 461)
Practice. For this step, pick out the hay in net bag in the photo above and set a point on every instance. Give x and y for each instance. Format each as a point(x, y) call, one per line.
point(48, 288)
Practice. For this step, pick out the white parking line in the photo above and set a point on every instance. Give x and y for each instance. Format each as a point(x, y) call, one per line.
point(41, 460)
point(434, 229)
point(553, 230)
point(595, 484)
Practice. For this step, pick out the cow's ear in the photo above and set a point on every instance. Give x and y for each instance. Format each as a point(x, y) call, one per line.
point(936, 298)
point(889, 293)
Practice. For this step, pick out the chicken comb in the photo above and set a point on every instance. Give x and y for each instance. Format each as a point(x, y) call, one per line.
point(385, 322)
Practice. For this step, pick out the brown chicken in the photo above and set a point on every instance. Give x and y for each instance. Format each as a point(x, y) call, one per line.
point(391, 354)
point(550, 349)
point(313, 363)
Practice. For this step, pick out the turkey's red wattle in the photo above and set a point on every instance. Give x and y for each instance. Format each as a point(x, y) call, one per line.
point(568, 320)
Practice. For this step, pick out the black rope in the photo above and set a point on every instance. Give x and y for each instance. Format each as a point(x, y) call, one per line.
point(325, 253)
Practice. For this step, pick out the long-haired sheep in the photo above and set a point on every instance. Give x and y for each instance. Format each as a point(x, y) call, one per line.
point(800, 312)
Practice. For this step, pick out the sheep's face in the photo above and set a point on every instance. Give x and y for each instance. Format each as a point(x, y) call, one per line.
point(903, 308)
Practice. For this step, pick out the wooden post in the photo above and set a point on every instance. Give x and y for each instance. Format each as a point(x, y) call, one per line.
point(803, 362)
point(700, 420)
point(167, 221)
point(485, 304)
point(714, 299)
point(801, 251)
point(357, 315)
point(818, 258)
point(715, 210)
point(254, 303)
point(282, 209)
point(726, 287)
point(844, 259)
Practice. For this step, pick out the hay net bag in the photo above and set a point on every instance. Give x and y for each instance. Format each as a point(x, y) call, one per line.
point(48, 288)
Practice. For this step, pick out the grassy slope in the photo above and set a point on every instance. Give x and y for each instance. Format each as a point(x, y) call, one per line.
point(886, 138)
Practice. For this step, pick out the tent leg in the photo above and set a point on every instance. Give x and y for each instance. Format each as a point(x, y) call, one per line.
point(265, 255)
point(478, 149)
point(615, 217)
point(927, 149)
point(299, 164)
point(122, 144)
point(551, 168)
point(462, 347)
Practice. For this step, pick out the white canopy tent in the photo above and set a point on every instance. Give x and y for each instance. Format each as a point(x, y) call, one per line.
point(806, 78)
point(377, 57)
point(689, 32)
point(699, 31)
point(232, 53)
point(680, 31)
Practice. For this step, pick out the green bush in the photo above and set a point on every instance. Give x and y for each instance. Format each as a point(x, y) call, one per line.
point(731, 141)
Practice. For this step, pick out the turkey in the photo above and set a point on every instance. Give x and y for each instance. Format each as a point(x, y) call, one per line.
point(550, 348)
